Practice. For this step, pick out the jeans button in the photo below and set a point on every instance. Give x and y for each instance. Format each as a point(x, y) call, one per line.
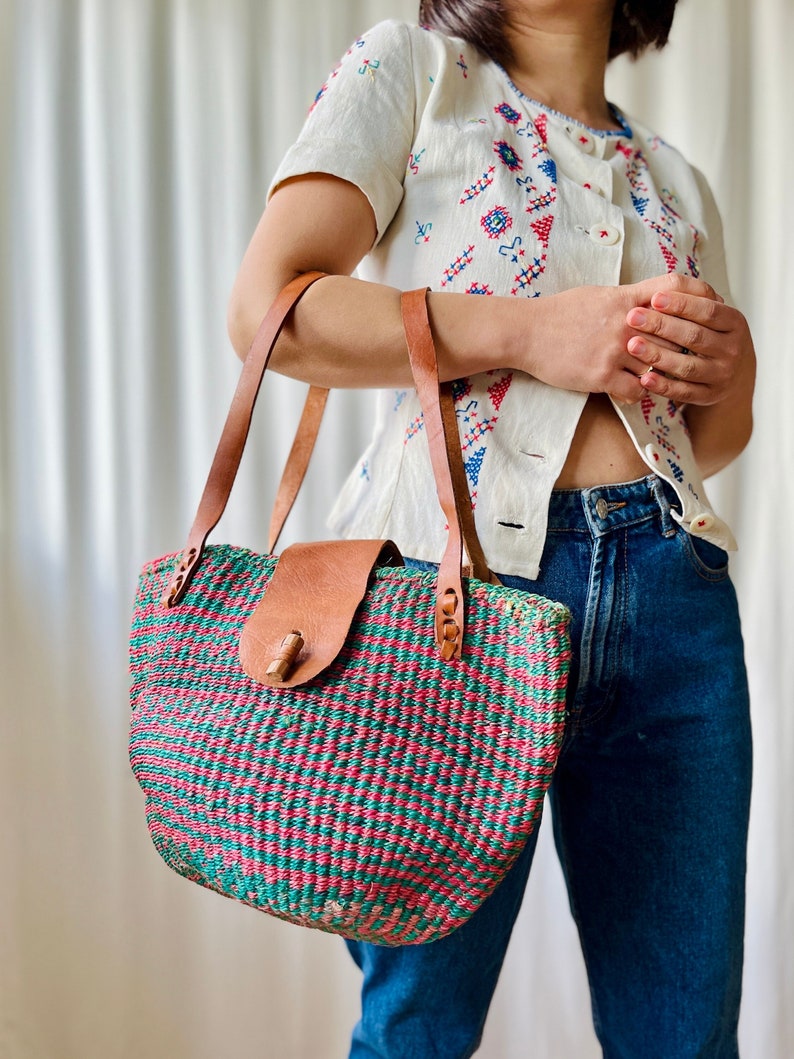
point(602, 507)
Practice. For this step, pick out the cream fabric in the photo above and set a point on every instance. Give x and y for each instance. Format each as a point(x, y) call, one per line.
point(478, 189)
point(138, 140)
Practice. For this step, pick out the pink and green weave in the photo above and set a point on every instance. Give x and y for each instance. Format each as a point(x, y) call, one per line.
point(387, 799)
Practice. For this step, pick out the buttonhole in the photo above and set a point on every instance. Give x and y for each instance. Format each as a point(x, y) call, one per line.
point(534, 455)
point(511, 525)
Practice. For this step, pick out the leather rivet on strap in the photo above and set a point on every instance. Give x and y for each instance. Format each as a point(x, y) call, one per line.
point(449, 603)
point(451, 630)
point(448, 649)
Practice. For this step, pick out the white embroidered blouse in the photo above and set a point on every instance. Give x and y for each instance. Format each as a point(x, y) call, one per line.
point(477, 188)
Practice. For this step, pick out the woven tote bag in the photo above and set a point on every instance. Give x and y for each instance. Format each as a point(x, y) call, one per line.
point(327, 736)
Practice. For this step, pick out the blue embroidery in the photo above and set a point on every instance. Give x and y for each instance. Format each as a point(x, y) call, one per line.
point(496, 222)
point(678, 474)
point(473, 466)
point(510, 249)
point(423, 232)
point(512, 117)
point(549, 167)
point(508, 155)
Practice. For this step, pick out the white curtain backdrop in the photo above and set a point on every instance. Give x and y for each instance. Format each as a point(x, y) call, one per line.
point(136, 142)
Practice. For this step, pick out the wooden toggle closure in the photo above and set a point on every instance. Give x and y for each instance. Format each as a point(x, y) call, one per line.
point(284, 662)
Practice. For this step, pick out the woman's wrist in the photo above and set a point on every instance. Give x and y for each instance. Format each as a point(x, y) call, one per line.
point(476, 333)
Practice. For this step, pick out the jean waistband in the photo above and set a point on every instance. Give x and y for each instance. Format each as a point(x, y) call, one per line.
point(602, 509)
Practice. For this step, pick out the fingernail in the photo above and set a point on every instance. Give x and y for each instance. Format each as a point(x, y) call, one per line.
point(637, 318)
point(636, 345)
point(660, 301)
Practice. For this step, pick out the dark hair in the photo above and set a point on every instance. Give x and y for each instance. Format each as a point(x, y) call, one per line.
point(636, 24)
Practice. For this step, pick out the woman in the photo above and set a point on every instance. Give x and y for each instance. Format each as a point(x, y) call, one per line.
point(602, 375)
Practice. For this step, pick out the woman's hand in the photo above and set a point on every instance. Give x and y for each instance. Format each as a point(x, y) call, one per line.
point(698, 352)
point(584, 339)
point(696, 348)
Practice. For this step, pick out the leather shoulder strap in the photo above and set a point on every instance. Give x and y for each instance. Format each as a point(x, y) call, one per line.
point(442, 434)
point(453, 494)
point(297, 462)
point(228, 454)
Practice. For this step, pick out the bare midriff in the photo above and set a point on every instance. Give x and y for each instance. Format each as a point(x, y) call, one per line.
point(601, 451)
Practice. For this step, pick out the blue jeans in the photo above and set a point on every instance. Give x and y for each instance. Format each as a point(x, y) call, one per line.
point(649, 802)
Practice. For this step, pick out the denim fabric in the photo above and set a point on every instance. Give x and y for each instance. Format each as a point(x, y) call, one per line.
point(649, 803)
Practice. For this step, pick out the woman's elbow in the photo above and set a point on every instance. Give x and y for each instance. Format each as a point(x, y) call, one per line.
point(246, 308)
point(242, 323)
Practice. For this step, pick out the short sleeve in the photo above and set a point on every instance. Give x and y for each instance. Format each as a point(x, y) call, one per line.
point(711, 250)
point(361, 125)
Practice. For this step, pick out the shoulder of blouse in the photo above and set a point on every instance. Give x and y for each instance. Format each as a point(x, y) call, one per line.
point(422, 40)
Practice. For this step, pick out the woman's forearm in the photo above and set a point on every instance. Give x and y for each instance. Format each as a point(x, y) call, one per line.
point(721, 431)
point(348, 333)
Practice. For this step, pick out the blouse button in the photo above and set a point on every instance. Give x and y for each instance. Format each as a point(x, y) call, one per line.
point(584, 140)
point(701, 524)
point(652, 453)
point(605, 234)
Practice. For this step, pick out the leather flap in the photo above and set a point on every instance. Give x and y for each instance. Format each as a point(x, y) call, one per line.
point(304, 616)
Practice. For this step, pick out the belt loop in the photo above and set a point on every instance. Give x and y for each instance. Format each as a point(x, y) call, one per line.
point(667, 524)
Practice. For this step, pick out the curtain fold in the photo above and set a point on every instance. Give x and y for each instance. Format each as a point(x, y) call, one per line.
point(138, 139)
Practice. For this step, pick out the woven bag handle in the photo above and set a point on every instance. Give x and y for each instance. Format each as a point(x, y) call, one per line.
point(446, 458)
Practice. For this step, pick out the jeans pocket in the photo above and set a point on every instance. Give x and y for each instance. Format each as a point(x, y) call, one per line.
point(707, 559)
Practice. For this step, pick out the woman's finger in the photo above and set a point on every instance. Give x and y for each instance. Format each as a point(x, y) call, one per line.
point(715, 315)
point(672, 284)
point(680, 391)
point(682, 366)
point(684, 333)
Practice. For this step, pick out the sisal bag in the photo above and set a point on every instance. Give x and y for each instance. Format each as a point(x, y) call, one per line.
point(327, 736)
